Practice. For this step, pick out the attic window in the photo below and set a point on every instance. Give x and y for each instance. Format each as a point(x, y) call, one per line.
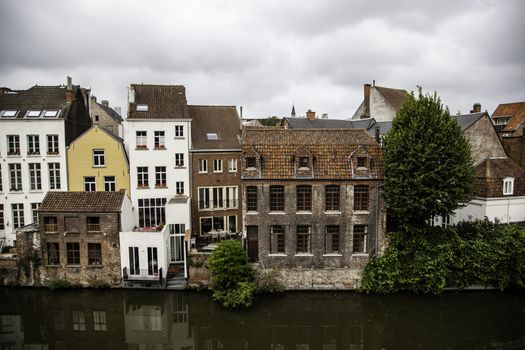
point(51, 114)
point(33, 114)
point(508, 186)
point(8, 114)
point(303, 162)
point(361, 162)
point(142, 108)
point(212, 136)
point(251, 162)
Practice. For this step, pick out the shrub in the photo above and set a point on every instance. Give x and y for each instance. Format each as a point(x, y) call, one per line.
point(267, 281)
point(59, 283)
point(99, 284)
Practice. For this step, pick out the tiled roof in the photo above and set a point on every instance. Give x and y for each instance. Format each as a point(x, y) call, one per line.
point(111, 112)
point(396, 97)
point(36, 98)
point(82, 202)
point(498, 168)
point(305, 123)
point(514, 110)
point(467, 120)
point(163, 101)
point(331, 149)
point(222, 120)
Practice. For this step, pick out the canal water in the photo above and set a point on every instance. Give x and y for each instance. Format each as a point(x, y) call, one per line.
point(132, 319)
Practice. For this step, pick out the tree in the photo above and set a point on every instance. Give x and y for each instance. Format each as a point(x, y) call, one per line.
point(428, 168)
point(270, 121)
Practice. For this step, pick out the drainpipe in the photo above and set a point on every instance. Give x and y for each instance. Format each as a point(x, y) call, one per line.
point(377, 217)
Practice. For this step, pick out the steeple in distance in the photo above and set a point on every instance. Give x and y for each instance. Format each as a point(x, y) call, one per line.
point(293, 111)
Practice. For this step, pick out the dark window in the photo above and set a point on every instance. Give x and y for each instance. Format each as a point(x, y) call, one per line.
point(361, 197)
point(304, 239)
point(159, 139)
point(53, 253)
point(2, 222)
point(277, 198)
point(93, 224)
point(99, 158)
point(251, 198)
point(303, 162)
point(361, 162)
point(142, 176)
point(304, 198)
point(332, 239)
point(251, 162)
point(109, 183)
point(50, 224)
point(94, 254)
point(52, 144)
point(152, 212)
point(359, 244)
point(160, 176)
point(276, 239)
point(13, 145)
point(332, 195)
point(73, 253)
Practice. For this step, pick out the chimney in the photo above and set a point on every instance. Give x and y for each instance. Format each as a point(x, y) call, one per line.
point(69, 84)
point(366, 101)
point(476, 108)
point(378, 135)
point(310, 115)
point(70, 96)
point(104, 103)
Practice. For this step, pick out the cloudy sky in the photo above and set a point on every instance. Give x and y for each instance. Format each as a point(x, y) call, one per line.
point(267, 55)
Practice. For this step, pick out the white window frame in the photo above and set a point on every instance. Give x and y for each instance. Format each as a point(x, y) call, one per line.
point(179, 160)
point(13, 145)
point(110, 183)
point(179, 131)
point(159, 138)
point(52, 144)
point(99, 158)
point(203, 166)
point(15, 177)
point(179, 187)
point(141, 139)
point(34, 211)
point(9, 113)
point(232, 165)
point(33, 144)
point(217, 165)
point(160, 177)
point(142, 177)
point(508, 186)
point(17, 211)
point(212, 136)
point(54, 176)
point(90, 186)
point(35, 176)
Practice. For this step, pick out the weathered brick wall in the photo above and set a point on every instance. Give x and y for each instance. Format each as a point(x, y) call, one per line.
point(321, 279)
point(199, 276)
point(515, 148)
point(484, 141)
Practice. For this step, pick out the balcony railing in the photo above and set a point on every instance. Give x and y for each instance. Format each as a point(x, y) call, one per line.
point(218, 205)
point(50, 227)
point(93, 227)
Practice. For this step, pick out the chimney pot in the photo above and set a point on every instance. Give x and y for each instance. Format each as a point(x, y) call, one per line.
point(310, 115)
point(476, 108)
point(105, 103)
point(69, 84)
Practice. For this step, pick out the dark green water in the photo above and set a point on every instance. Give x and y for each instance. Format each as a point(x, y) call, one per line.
point(118, 319)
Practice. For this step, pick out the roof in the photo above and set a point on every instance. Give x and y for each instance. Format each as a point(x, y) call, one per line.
point(111, 112)
point(305, 123)
point(163, 101)
point(222, 120)
point(37, 98)
point(498, 168)
point(395, 97)
point(384, 127)
point(467, 120)
point(82, 202)
point(331, 149)
point(515, 110)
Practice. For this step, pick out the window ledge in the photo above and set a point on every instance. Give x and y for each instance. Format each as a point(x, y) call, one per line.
point(138, 148)
point(142, 187)
point(304, 254)
point(180, 167)
point(333, 254)
point(13, 155)
point(159, 148)
point(277, 254)
point(251, 169)
point(304, 169)
point(54, 266)
point(309, 212)
point(161, 186)
point(203, 172)
point(332, 212)
point(362, 168)
point(74, 266)
point(360, 255)
point(277, 213)
point(15, 191)
point(36, 191)
point(253, 213)
point(96, 266)
point(361, 212)
point(53, 154)
point(179, 137)
point(99, 166)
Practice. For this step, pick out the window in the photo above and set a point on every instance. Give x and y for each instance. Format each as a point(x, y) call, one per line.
point(160, 176)
point(359, 244)
point(15, 176)
point(332, 197)
point(142, 108)
point(79, 322)
point(53, 253)
point(142, 139)
point(304, 198)
point(33, 114)
point(98, 158)
point(54, 176)
point(109, 184)
point(8, 114)
point(50, 114)
point(232, 165)
point(94, 254)
point(277, 198)
point(332, 239)
point(179, 160)
point(1, 187)
point(231, 197)
point(52, 144)
point(204, 198)
point(142, 176)
point(251, 162)
point(50, 224)
point(33, 144)
point(361, 162)
point(251, 198)
point(304, 237)
point(218, 197)
point(93, 224)
point(13, 145)
point(361, 197)
point(99, 321)
point(159, 140)
point(2, 220)
point(152, 212)
point(212, 136)
point(179, 187)
point(203, 165)
point(303, 162)
point(508, 186)
point(34, 211)
point(277, 239)
point(217, 165)
point(17, 210)
point(179, 130)
point(90, 184)
point(73, 253)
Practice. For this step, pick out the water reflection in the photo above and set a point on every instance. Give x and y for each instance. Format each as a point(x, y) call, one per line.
point(143, 320)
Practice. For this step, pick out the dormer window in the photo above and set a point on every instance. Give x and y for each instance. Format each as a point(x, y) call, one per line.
point(361, 162)
point(212, 136)
point(508, 186)
point(50, 114)
point(8, 114)
point(251, 162)
point(303, 162)
point(142, 108)
point(33, 114)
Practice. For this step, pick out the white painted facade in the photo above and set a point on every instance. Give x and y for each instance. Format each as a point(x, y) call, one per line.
point(504, 209)
point(24, 127)
point(380, 109)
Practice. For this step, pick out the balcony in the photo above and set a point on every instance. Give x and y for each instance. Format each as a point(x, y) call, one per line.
point(93, 227)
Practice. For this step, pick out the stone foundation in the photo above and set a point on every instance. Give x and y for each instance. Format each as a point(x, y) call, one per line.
point(320, 279)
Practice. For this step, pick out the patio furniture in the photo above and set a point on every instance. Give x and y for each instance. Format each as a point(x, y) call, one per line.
point(222, 235)
point(214, 236)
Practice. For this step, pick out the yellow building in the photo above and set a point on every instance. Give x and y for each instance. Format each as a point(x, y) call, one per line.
point(97, 161)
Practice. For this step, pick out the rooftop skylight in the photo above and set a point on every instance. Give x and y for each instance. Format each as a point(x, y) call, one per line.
point(51, 114)
point(212, 136)
point(33, 114)
point(8, 113)
point(142, 108)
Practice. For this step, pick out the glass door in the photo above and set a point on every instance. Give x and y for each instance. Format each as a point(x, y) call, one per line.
point(153, 265)
point(134, 266)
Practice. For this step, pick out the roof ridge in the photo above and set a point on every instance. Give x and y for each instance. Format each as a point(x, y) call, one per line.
point(225, 106)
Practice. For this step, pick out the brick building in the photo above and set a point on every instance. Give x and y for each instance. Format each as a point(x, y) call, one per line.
point(79, 236)
point(215, 174)
point(312, 198)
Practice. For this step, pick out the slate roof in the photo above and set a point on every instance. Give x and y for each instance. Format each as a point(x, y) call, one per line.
point(164, 102)
point(82, 202)
point(384, 127)
point(305, 123)
point(467, 120)
point(37, 98)
point(222, 120)
point(514, 110)
point(330, 148)
point(395, 97)
point(111, 112)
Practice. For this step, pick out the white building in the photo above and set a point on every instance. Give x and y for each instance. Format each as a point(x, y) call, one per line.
point(36, 126)
point(158, 140)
